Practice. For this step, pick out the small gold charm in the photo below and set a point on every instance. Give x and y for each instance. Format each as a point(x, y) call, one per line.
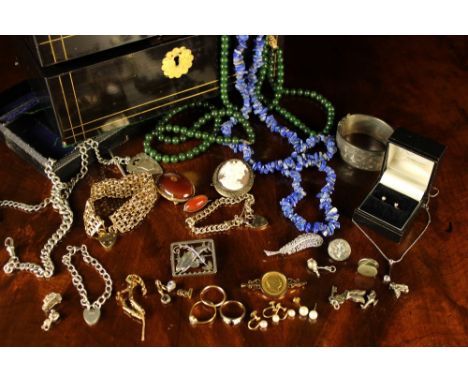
point(177, 62)
point(107, 239)
point(259, 222)
point(130, 307)
point(272, 41)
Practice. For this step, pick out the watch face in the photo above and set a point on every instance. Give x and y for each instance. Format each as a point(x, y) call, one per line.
point(233, 177)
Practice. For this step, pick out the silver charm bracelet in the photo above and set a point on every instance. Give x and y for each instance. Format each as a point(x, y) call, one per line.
point(91, 312)
point(59, 194)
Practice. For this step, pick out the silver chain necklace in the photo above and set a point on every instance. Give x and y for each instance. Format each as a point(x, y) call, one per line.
point(400, 288)
point(59, 194)
point(92, 311)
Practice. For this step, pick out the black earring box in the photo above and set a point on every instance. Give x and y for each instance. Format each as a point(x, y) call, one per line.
point(408, 172)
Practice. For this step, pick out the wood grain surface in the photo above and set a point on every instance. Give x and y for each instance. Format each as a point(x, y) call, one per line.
point(419, 83)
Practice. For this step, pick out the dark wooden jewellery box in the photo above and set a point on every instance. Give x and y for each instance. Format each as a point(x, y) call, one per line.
point(102, 87)
point(96, 84)
point(404, 184)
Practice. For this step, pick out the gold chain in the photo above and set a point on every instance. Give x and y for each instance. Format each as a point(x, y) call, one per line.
point(244, 219)
point(143, 194)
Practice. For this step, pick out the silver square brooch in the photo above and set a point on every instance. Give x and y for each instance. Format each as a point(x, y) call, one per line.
point(193, 257)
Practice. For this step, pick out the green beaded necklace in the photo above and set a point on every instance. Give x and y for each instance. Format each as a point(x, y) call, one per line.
point(174, 134)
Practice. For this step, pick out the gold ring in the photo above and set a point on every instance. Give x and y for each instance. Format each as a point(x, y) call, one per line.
point(232, 320)
point(212, 303)
point(195, 321)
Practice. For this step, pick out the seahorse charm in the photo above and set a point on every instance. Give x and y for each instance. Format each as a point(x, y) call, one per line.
point(130, 307)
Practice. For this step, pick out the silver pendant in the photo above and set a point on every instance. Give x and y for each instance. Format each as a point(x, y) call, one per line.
point(141, 163)
point(259, 222)
point(91, 316)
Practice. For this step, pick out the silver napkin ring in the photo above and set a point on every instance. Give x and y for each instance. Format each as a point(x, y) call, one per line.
point(354, 124)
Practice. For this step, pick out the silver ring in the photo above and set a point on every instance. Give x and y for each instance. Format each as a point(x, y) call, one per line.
point(212, 303)
point(232, 320)
point(353, 124)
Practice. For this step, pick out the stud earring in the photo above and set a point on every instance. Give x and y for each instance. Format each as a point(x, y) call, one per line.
point(313, 314)
point(126, 300)
point(49, 302)
point(384, 198)
point(291, 313)
point(303, 310)
point(395, 205)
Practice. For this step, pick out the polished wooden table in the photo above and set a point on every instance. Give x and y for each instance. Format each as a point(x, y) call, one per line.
point(419, 83)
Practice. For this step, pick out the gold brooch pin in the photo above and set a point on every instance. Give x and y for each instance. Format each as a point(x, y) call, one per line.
point(274, 284)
